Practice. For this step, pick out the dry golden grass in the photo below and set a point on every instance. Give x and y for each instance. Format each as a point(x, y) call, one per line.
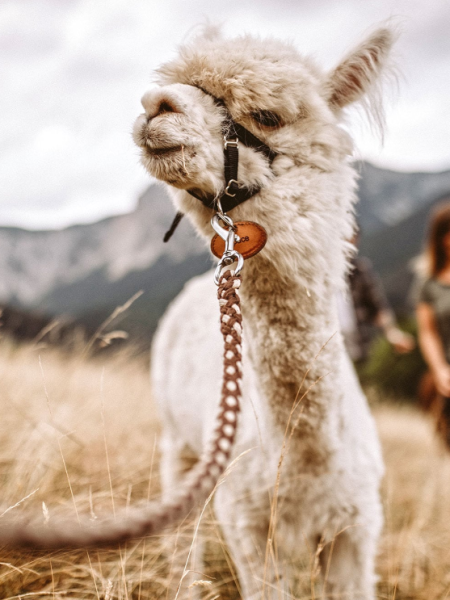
point(79, 436)
point(414, 560)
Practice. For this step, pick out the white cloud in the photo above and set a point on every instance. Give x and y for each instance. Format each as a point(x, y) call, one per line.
point(73, 72)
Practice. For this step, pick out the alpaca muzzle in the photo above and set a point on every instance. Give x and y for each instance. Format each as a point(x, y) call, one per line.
point(160, 104)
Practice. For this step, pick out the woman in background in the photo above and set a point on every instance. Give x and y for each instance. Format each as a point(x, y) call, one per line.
point(433, 314)
point(365, 308)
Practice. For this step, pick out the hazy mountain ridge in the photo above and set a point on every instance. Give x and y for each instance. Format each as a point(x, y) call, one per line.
point(33, 264)
point(386, 198)
point(85, 271)
point(392, 249)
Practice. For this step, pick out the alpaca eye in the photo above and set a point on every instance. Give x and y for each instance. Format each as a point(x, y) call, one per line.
point(267, 118)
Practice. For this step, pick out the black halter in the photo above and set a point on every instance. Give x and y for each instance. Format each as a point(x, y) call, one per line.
point(233, 193)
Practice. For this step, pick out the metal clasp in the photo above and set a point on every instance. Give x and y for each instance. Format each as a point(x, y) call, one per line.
point(232, 143)
point(230, 255)
point(228, 187)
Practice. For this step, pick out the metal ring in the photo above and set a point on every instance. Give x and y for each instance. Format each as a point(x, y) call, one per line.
point(228, 187)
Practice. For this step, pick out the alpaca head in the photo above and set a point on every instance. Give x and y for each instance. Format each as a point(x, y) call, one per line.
point(282, 98)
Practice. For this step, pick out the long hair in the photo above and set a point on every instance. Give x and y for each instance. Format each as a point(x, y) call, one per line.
point(438, 228)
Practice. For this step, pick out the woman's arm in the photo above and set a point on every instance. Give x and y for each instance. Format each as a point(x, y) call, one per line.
point(432, 348)
point(373, 297)
point(401, 341)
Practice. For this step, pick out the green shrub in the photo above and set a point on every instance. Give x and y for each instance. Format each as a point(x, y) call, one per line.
point(393, 373)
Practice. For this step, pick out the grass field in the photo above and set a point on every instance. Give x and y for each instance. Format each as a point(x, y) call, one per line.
point(80, 436)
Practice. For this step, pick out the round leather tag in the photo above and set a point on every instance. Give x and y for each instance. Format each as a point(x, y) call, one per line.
point(253, 238)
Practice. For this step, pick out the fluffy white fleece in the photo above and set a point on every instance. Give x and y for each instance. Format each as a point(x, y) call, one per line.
point(328, 490)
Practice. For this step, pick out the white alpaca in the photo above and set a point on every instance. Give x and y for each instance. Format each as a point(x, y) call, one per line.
point(329, 486)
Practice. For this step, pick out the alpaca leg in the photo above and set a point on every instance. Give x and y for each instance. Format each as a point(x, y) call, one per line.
point(348, 566)
point(187, 567)
point(176, 461)
point(246, 536)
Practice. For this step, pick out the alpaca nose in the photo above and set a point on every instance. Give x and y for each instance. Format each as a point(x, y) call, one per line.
point(157, 104)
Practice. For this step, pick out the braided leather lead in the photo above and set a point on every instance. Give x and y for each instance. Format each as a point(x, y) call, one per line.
point(199, 483)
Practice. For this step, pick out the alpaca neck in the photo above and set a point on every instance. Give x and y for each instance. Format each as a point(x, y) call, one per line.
point(291, 333)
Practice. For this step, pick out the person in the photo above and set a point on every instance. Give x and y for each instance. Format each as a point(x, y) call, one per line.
point(365, 307)
point(433, 314)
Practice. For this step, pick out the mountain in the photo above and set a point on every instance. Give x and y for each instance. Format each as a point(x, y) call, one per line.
point(393, 249)
point(86, 271)
point(388, 198)
point(34, 264)
point(393, 211)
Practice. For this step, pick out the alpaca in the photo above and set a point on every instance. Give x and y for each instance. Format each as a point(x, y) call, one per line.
point(300, 395)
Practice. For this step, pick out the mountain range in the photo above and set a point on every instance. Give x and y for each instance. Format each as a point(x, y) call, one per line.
point(86, 271)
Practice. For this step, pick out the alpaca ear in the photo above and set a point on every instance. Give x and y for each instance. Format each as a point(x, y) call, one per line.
point(358, 72)
point(210, 32)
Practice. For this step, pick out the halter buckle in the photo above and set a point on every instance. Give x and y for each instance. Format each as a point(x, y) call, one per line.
point(228, 187)
point(232, 143)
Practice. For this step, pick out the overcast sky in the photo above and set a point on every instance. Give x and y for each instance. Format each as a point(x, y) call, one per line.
point(72, 73)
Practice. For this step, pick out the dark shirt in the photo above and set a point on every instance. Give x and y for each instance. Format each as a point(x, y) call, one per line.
point(437, 295)
point(369, 300)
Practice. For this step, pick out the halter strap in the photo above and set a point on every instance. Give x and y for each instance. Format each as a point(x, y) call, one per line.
point(233, 194)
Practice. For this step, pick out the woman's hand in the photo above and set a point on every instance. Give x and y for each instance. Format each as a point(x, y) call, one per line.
point(442, 380)
point(401, 341)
